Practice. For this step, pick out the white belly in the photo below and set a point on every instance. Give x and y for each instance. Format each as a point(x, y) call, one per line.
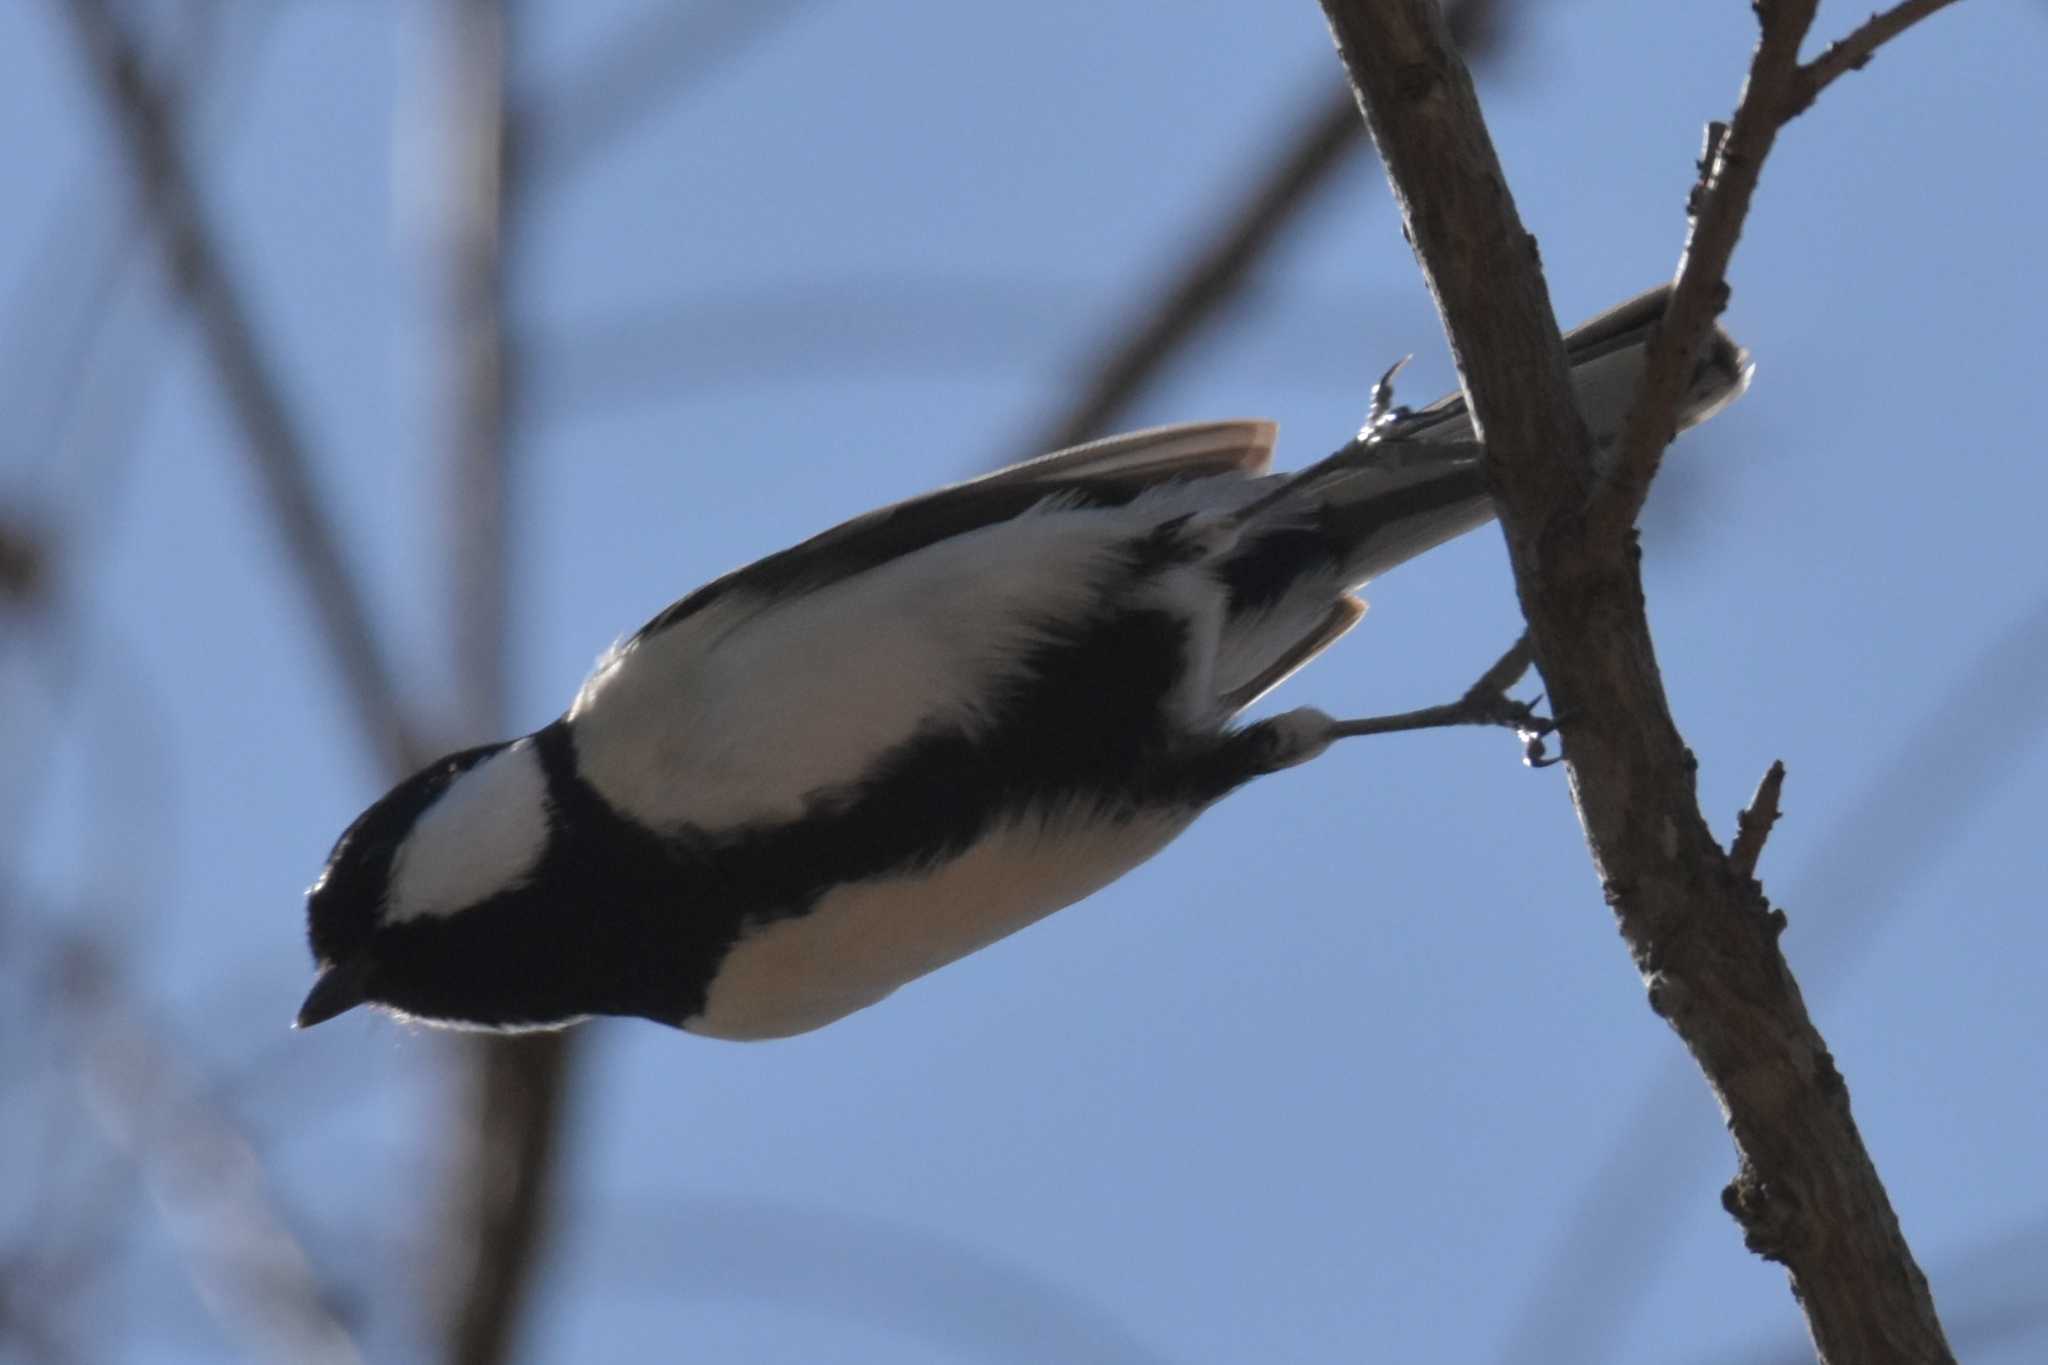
point(864, 940)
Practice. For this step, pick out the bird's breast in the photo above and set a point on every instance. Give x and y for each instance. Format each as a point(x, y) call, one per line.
point(862, 940)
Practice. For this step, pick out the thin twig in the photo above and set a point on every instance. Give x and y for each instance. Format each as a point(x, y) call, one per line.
point(71, 346)
point(640, 70)
point(1854, 52)
point(1720, 205)
point(1778, 89)
point(248, 1268)
point(1218, 271)
point(272, 434)
point(1505, 671)
point(1807, 1194)
point(1753, 825)
point(1213, 275)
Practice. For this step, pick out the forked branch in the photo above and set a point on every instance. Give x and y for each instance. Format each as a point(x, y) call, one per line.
point(1702, 936)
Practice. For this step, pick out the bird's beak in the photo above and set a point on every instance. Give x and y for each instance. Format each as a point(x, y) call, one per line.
point(340, 987)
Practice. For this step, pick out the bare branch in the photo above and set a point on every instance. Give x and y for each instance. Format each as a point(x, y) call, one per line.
point(1476, 257)
point(1778, 90)
point(149, 132)
point(504, 1173)
point(641, 68)
point(1507, 670)
point(1702, 937)
point(208, 1181)
point(1753, 825)
point(1720, 204)
point(1217, 271)
point(504, 1191)
point(1214, 274)
point(24, 562)
point(1854, 52)
point(1610, 1247)
point(475, 362)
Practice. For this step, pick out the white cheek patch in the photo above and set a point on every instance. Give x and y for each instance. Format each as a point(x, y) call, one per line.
point(485, 835)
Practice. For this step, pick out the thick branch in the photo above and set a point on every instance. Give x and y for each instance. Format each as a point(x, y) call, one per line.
point(1702, 936)
point(1478, 260)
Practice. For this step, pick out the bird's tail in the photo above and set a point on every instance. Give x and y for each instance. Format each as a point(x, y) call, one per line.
point(1416, 480)
point(1412, 483)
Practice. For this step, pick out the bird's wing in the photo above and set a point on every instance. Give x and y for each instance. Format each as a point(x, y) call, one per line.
point(1189, 450)
point(890, 641)
point(1105, 473)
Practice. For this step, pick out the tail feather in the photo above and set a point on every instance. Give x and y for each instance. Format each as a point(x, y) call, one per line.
point(1410, 485)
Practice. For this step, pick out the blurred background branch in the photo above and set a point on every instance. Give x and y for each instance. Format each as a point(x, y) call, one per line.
point(642, 69)
point(273, 435)
point(1201, 286)
point(206, 1179)
point(508, 1135)
point(999, 1164)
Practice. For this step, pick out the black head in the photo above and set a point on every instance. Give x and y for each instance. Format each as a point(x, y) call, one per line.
point(494, 889)
point(345, 908)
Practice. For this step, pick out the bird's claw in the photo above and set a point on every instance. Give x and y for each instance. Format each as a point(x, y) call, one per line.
point(1383, 413)
point(1497, 708)
point(1532, 730)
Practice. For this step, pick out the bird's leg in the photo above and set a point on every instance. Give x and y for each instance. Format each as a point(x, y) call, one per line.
point(1476, 707)
point(1300, 735)
point(1486, 702)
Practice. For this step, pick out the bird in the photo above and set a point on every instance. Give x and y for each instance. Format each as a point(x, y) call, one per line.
point(855, 761)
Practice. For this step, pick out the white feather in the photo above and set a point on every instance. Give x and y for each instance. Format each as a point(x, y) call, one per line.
point(864, 940)
point(484, 835)
point(736, 714)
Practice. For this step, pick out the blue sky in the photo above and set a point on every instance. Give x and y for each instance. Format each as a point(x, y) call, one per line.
point(1359, 1067)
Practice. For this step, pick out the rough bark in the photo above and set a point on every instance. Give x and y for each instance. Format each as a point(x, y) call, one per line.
point(1698, 927)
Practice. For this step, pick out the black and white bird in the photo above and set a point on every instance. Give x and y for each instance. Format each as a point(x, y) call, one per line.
point(853, 762)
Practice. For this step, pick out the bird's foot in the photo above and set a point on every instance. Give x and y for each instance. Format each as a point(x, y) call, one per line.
point(1486, 702)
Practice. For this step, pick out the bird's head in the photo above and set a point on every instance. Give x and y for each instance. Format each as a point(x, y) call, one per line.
point(420, 904)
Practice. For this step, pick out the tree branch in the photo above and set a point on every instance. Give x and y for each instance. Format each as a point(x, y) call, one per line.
point(504, 1173)
point(247, 1267)
point(638, 71)
point(1702, 936)
point(1212, 276)
point(1753, 825)
point(1854, 52)
point(1778, 90)
point(148, 126)
point(1216, 273)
